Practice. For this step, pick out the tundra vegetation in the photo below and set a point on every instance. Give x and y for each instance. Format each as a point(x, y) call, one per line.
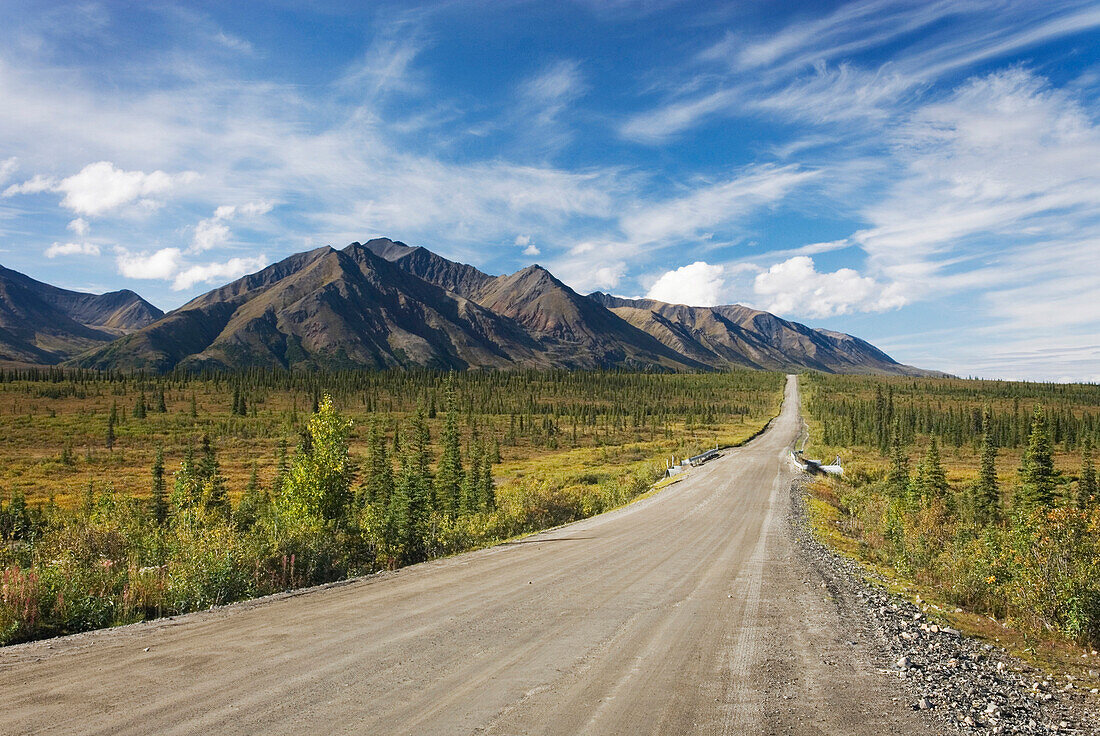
point(125, 497)
point(982, 493)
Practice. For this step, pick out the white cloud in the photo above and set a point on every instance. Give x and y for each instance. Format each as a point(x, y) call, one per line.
point(529, 248)
point(161, 264)
point(675, 117)
point(699, 284)
point(255, 209)
point(795, 287)
point(7, 168)
point(34, 185)
point(997, 167)
point(216, 272)
point(72, 249)
point(543, 100)
point(708, 207)
point(100, 187)
point(212, 232)
point(79, 226)
point(585, 276)
point(209, 234)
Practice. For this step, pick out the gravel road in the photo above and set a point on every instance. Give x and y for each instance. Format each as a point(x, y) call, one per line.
point(691, 611)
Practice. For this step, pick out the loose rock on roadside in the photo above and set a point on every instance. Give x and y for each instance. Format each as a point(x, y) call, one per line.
point(967, 685)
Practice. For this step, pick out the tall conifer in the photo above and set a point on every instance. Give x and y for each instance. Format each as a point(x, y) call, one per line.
point(1037, 466)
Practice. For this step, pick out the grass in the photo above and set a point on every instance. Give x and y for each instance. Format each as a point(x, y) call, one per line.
point(570, 446)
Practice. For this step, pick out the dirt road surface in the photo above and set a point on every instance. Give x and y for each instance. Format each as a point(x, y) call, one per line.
point(687, 612)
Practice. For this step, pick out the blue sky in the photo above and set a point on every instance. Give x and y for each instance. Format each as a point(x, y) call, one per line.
point(925, 175)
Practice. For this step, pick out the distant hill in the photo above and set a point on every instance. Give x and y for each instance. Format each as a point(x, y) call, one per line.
point(384, 304)
point(733, 334)
point(43, 324)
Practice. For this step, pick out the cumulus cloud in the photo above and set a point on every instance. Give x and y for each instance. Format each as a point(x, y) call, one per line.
point(796, 287)
point(161, 264)
point(212, 272)
point(212, 232)
point(699, 284)
point(72, 249)
point(79, 226)
point(168, 264)
point(100, 187)
point(529, 248)
point(209, 234)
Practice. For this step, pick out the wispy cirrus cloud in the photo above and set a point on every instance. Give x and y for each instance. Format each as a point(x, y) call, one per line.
point(823, 69)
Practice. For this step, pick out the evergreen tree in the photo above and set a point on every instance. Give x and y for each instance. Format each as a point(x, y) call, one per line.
point(187, 486)
point(139, 406)
point(930, 480)
point(414, 486)
point(158, 502)
point(448, 478)
point(252, 504)
point(935, 476)
point(471, 493)
point(379, 482)
point(897, 479)
point(282, 466)
point(112, 420)
point(488, 489)
point(161, 407)
point(194, 406)
point(215, 496)
point(987, 494)
point(1037, 466)
point(1086, 484)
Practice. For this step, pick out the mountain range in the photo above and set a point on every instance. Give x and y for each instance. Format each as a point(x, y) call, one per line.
point(384, 304)
point(42, 324)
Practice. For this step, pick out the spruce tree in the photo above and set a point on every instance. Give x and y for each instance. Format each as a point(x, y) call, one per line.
point(414, 489)
point(112, 420)
point(139, 406)
point(935, 477)
point(448, 478)
point(215, 496)
point(161, 408)
point(281, 468)
point(158, 502)
point(379, 481)
point(488, 489)
point(897, 479)
point(471, 480)
point(1086, 484)
point(1037, 466)
point(252, 502)
point(987, 494)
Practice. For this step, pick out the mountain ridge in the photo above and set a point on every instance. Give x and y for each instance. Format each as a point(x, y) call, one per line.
point(45, 324)
point(384, 304)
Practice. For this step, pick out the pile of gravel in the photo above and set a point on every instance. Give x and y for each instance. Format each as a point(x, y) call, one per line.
point(963, 683)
